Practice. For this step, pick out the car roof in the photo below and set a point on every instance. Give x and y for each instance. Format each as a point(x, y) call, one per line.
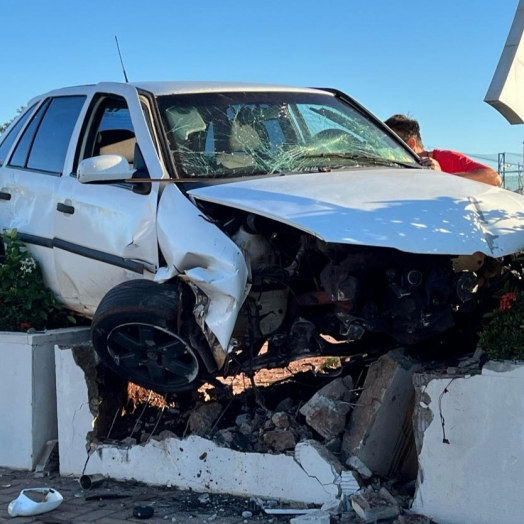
point(159, 88)
point(179, 87)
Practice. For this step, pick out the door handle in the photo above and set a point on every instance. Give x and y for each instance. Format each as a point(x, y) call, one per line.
point(5, 196)
point(64, 208)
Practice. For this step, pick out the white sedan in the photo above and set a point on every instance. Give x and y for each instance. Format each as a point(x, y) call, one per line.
point(196, 221)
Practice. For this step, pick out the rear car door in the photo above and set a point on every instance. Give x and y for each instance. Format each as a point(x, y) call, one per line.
point(32, 174)
point(105, 233)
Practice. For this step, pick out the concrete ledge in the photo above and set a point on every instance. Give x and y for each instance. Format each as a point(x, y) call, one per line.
point(27, 389)
point(309, 475)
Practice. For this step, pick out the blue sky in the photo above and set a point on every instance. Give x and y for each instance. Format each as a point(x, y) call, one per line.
point(433, 60)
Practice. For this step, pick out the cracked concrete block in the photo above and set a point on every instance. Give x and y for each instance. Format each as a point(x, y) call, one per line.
point(325, 412)
point(201, 421)
point(319, 463)
point(355, 463)
point(371, 505)
point(337, 388)
point(317, 517)
point(380, 431)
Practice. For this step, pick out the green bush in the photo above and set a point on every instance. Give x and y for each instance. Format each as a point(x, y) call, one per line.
point(502, 335)
point(25, 301)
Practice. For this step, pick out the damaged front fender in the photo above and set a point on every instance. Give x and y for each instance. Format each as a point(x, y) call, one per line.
point(202, 255)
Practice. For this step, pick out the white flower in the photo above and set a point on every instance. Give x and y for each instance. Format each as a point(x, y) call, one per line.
point(27, 265)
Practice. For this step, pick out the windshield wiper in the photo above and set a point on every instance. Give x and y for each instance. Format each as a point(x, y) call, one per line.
point(363, 159)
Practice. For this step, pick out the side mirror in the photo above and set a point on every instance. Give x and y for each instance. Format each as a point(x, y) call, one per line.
point(104, 168)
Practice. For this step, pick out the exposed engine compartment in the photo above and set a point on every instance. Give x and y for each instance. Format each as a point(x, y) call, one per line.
point(308, 296)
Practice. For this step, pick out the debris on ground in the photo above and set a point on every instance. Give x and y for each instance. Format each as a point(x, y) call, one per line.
point(35, 501)
point(371, 505)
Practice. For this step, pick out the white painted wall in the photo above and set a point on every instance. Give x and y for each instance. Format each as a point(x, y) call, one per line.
point(27, 393)
point(193, 463)
point(478, 477)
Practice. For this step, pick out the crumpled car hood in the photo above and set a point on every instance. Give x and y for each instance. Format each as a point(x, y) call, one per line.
point(415, 210)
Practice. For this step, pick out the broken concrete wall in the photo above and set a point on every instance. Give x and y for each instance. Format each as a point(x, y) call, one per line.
point(380, 430)
point(311, 474)
point(471, 435)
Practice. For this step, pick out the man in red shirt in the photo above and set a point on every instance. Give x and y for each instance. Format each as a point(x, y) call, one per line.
point(442, 160)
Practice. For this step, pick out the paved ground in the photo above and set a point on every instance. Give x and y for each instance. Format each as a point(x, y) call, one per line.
point(169, 504)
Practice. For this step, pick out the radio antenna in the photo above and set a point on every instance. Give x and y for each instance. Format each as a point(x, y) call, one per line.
point(121, 61)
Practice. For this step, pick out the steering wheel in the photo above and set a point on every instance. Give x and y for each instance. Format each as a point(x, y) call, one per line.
point(337, 136)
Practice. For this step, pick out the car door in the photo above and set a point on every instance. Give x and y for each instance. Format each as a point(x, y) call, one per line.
point(7, 179)
point(32, 175)
point(105, 233)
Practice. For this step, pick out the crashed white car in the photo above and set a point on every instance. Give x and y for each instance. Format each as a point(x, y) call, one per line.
point(196, 221)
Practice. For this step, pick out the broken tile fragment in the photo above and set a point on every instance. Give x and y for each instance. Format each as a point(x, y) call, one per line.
point(371, 505)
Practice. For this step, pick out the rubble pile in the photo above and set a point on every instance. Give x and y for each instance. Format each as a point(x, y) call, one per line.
point(361, 423)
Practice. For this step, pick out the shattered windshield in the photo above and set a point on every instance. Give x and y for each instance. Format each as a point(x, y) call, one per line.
point(256, 133)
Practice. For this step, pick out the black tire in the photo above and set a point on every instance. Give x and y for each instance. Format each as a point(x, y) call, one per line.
point(134, 331)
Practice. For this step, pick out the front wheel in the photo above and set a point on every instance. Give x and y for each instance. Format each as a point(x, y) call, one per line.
point(136, 334)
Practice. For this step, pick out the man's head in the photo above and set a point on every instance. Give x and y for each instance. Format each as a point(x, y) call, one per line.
point(408, 129)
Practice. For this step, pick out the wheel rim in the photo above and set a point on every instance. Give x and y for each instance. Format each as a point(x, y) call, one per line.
point(149, 354)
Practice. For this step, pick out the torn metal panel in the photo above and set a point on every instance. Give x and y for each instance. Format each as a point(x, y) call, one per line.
point(505, 90)
point(417, 211)
point(196, 249)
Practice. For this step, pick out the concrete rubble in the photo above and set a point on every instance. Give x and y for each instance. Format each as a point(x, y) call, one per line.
point(380, 433)
point(351, 451)
point(327, 410)
point(371, 505)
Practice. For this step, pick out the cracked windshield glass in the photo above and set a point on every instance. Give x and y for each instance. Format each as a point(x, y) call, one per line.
point(255, 133)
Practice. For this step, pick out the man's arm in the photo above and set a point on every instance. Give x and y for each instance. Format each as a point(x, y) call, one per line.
point(485, 174)
point(459, 164)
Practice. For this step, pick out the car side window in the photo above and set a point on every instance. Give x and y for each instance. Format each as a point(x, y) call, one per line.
point(44, 145)
point(109, 130)
point(19, 157)
point(10, 137)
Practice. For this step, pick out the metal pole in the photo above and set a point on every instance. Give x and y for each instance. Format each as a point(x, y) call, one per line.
point(502, 167)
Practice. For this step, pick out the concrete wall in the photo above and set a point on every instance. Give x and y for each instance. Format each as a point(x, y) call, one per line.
point(27, 393)
point(308, 475)
point(478, 477)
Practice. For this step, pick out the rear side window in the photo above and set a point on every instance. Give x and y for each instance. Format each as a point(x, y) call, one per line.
point(10, 138)
point(43, 146)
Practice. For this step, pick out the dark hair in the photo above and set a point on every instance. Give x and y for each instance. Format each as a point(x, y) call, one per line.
point(404, 127)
